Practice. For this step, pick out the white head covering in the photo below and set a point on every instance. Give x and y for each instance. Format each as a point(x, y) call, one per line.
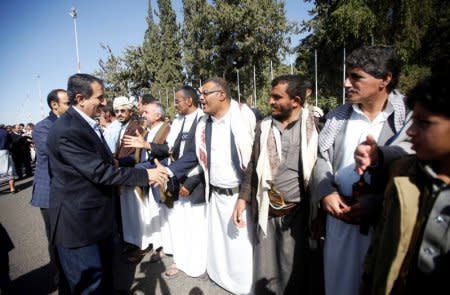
point(122, 101)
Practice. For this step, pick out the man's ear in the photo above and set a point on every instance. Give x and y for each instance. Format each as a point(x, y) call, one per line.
point(79, 98)
point(189, 101)
point(386, 80)
point(298, 100)
point(53, 105)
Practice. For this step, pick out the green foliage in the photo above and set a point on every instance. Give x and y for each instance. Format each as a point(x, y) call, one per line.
point(417, 28)
point(197, 39)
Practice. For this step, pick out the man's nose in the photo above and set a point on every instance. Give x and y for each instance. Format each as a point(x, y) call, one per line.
point(347, 83)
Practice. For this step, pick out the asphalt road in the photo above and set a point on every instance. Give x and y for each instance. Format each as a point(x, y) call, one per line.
point(28, 261)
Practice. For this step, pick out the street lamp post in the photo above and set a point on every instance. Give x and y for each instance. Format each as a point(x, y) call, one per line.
point(41, 103)
point(73, 14)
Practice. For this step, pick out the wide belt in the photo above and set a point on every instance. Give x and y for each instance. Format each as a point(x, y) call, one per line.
point(225, 191)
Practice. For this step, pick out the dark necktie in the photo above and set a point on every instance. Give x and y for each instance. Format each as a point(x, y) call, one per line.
point(235, 156)
point(177, 143)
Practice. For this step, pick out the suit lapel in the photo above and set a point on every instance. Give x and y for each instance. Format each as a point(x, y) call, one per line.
point(100, 146)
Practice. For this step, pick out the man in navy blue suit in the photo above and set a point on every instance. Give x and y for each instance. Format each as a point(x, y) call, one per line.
point(58, 101)
point(83, 180)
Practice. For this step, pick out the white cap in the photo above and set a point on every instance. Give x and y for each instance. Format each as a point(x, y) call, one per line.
point(122, 101)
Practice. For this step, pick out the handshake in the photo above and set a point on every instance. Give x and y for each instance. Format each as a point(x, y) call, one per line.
point(159, 175)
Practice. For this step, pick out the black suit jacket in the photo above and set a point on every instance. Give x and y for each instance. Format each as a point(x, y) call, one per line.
point(83, 177)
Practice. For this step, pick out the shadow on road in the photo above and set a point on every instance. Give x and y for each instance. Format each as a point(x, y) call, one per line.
point(153, 275)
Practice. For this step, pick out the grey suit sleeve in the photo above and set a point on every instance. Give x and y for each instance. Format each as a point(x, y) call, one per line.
point(322, 181)
point(400, 146)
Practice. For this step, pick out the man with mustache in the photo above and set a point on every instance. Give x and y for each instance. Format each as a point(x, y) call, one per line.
point(374, 112)
point(276, 182)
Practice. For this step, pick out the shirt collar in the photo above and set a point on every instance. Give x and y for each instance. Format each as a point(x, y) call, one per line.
point(225, 119)
point(385, 113)
point(88, 119)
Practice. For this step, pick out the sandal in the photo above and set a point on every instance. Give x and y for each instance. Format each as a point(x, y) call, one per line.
point(171, 273)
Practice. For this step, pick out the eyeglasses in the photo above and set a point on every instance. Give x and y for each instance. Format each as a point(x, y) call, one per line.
point(208, 92)
point(123, 111)
point(180, 101)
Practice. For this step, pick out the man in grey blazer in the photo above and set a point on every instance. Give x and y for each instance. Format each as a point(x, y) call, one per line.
point(374, 112)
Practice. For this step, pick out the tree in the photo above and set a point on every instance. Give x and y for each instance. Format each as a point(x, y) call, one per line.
point(112, 72)
point(353, 23)
point(170, 71)
point(197, 36)
point(248, 33)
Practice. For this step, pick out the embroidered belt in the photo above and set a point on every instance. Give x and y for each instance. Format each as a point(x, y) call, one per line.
point(225, 191)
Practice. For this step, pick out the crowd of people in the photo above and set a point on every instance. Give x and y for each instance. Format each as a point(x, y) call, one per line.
point(353, 202)
point(17, 153)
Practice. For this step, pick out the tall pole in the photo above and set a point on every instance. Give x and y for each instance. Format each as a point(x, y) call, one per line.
point(41, 103)
point(315, 75)
point(254, 85)
point(173, 90)
point(238, 87)
point(167, 99)
point(271, 71)
point(73, 13)
point(343, 78)
point(292, 69)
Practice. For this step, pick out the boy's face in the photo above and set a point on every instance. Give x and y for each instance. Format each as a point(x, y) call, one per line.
point(430, 135)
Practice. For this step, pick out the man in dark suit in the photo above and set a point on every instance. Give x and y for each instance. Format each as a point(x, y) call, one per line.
point(58, 101)
point(83, 180)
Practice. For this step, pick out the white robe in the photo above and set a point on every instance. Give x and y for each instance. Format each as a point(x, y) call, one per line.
point(230, 250)
point(345, 247)
point(141, 217)
point(187, 224)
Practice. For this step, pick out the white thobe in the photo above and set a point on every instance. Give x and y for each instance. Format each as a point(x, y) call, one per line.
point(345, 247)
point(230, 249)
point(187, 222)
point(141, 217)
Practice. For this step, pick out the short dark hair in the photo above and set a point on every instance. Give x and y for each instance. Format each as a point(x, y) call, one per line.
point(108, 109)
point(81, 84)
point(222, 83)
point(53, 96)
point(377, 60)
point(432, 93)
point(305, 85)
point(189, 91)
point(294, 86)
point(147, 98)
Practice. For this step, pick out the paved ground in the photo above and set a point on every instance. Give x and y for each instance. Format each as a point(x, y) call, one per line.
point(31, 273)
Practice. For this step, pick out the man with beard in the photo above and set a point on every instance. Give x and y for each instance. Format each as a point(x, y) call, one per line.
point(276, 182)
point(374, 112)
point(124, 112)
point(124, 156)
